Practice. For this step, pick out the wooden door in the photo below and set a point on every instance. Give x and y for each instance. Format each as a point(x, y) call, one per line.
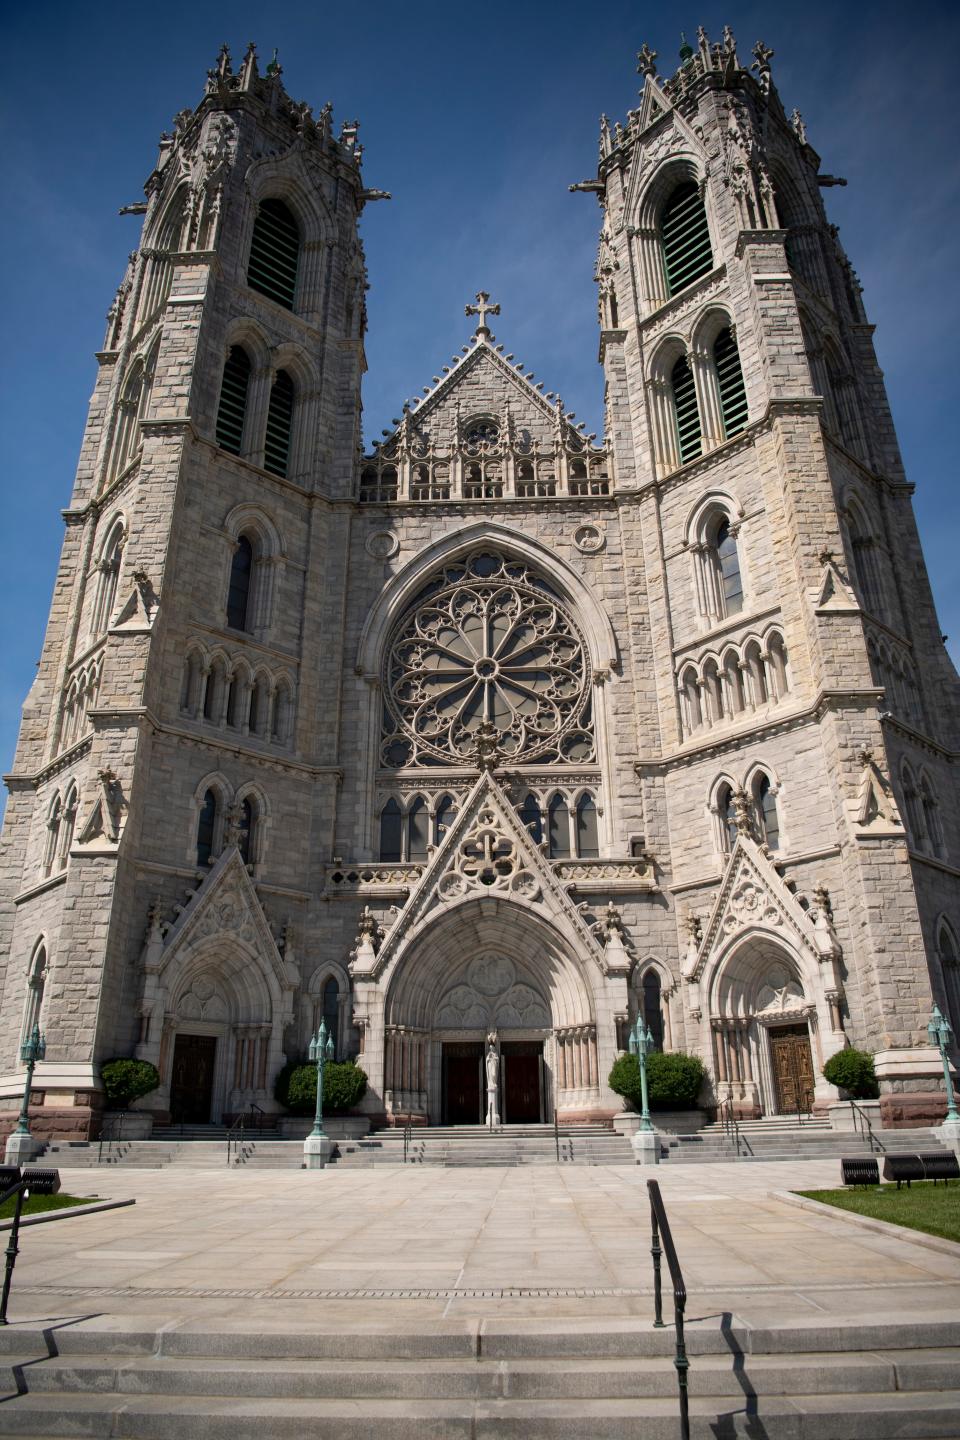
point(521, 1082)
point(792, 1069)
point(191, 1084)
point(462, 1085)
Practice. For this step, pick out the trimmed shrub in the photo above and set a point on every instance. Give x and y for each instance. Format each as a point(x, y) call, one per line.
point(673, 1080)
point(852, 1071)
point(126, 1080)
point(344, 1085)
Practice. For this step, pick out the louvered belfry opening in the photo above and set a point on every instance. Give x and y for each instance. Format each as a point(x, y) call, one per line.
point(276, 448)
point(233, 400)
point(685, 237)
point(733, 396)
point(685, 407)
point(274, 253)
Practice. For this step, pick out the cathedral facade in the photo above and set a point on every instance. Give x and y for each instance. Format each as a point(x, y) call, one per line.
point(499, 727)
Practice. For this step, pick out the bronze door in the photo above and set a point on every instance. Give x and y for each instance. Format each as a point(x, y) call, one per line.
point(521, 1082)
point(792, 1069)
point(463, 1087)
point(191, 1085)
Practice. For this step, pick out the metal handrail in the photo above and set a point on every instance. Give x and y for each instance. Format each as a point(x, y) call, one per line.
point(660, 1229)
point(731, 1126)
point(116, 1133)
point(556, 1133)
point(861, 1123)
point(407, 1137)
point(237, 1142)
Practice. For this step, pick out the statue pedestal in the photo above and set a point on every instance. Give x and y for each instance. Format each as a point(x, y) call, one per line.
point(949, 1134)
point(21, 1149)
point(646, 1147)
point(317, 1150)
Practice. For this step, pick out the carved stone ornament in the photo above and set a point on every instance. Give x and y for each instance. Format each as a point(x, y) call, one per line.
point(588, 539)
point(381, 545)
point(487, 859)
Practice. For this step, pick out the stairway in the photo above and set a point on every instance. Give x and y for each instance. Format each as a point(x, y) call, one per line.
point(476, 1146)
point(540, 1379)
point(785, 1137)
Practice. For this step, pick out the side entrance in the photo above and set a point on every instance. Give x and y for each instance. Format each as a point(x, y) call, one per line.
point(792, 1064)
point(191, 1083)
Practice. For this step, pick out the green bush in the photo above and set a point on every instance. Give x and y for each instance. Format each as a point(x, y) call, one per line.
point(673, 1080)
point(852, 1070)
point(126, 1080)
point(344, 1086)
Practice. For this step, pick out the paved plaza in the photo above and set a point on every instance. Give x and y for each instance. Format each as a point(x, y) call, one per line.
point(372, 1246)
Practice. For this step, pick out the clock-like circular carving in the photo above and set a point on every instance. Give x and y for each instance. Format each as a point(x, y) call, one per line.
point(487, 642)
point(481, 433)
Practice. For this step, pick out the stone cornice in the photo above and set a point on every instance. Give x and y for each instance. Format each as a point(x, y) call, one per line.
point(33, 779)
point(49, 882)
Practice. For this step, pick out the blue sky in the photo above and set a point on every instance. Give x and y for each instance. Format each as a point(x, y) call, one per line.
point(476, 121)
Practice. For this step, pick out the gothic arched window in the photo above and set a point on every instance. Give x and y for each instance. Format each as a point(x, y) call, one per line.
point(331, 1012)
point(274, 253)
point(109, 569)
point(532, 816)
point(206, 828)
point(727, 558)
point(558, 828)
point(233, 400)
point(685, 237)
point(588, 843)
point(768, 820)
point(487, 650)
point(733, 395)
point(70, 807)
point(686, 410)
point(391, 832)
point(445, 813)
point(418, 830)
point(241, 576)
point(652, 1008)
point(276, 451)
point(931, 815)
point(36, 984)
point(948, 953)
point(246, 837)
point(727, 811)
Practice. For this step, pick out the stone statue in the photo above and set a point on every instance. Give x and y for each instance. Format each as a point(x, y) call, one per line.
point(493, 1080)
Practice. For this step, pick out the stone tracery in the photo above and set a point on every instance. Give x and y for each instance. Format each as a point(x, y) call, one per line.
point(488, 642)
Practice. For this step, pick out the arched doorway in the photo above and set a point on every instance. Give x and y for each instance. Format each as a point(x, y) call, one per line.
point(764, 1031)
point(490, 967)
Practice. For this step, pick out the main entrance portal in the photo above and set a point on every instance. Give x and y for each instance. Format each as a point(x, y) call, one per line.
point(522, 1082)
point(792, 1068)
point(191, 1084)
point(463, 1084)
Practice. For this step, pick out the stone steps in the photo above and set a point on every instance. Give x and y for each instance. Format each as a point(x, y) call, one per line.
point(537, 1379)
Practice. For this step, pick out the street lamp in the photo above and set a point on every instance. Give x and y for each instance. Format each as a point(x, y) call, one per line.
point(941, 1034)
point(321, 1050)
point(33, 1049)
point(641, 1043)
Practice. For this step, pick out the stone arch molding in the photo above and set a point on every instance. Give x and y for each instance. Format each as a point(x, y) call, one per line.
point(403, 587)
point(487, 858)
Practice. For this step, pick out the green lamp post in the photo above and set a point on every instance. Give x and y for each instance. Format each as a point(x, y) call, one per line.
point(321, 1050)
point(941, 1034)
point(641, 1043)
point(33, 1049)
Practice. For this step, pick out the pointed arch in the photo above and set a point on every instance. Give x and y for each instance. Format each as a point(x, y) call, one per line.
point(108, 574)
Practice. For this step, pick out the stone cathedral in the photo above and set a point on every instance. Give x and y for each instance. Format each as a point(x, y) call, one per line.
point(494, 727)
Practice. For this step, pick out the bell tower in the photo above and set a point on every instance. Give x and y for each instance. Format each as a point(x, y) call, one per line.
point(187, 656)
point(804, 698)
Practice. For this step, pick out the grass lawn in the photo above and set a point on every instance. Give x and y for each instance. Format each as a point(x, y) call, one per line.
point(38, 1203)
point(925, 1206)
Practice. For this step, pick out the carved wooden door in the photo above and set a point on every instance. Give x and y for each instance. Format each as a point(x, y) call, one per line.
point(792, 1069)
point(191, 1084)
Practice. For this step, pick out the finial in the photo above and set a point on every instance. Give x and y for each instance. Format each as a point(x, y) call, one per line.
point(482, 309)
point(646, 60)
point(274, 67)
point(686, 51)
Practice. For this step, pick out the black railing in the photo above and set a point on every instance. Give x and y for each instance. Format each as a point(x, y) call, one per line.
point(660, 1230)
point(406, 1141)
point(861, 1124)
point(112, 1135)
point(39, 1182)
point(556, 1133)
point(236, 1132)
point(731, 1126)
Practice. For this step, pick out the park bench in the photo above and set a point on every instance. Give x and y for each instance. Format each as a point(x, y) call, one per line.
point(860, 1170)
point(937, 1166)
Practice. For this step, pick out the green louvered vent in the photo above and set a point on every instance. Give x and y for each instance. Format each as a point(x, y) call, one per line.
point(685, 404)
point(276, 447)
point(233, 400)
point(733, 396)
point(685, 238)
point(274, 253)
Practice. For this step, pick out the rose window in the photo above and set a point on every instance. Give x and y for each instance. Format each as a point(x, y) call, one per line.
point(488, 642)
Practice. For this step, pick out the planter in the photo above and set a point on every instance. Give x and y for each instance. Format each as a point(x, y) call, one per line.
point(338, 1127)
point(845, 1119)
point(126, 1125)
point(672, 1122)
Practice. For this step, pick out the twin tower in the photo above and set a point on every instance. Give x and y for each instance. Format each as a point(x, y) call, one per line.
point(499, 729)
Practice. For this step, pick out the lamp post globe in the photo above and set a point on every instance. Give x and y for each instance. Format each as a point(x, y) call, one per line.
point(321, 1050)
point(641, 1043)
point(33, 1049)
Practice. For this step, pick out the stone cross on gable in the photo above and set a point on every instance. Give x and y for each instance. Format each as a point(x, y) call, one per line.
point(482, 309)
